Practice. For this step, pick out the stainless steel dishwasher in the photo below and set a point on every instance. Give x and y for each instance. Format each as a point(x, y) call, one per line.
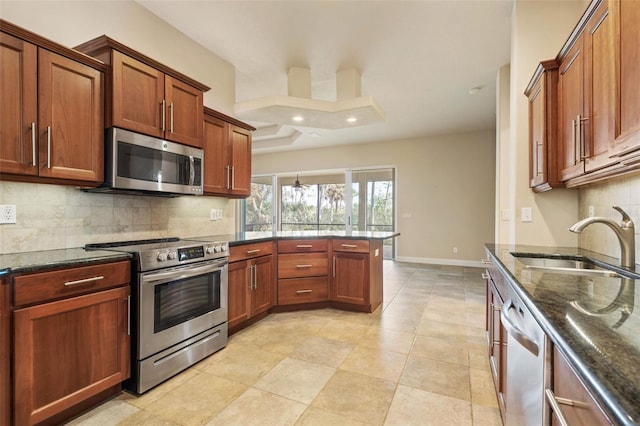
point(528, 365)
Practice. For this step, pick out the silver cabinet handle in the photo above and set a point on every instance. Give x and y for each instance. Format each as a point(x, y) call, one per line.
point(575, 140)
point(33, 144)
point(485, 276)
point(527, 342)
point(349, 246)
point(304, 266)
point(304, 246)
point(583, 148)
point(253, 251)
point(334, 266)
point(128, 315)
point(171, 117)
point(255, 277)
point(228, 167)
point(162, 116)
point(304, 291)
point(48, 147)
point(83, 281)
point(486, 261)
point(555, 407)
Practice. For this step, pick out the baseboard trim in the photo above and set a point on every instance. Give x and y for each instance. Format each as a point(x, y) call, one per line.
point(448, 262)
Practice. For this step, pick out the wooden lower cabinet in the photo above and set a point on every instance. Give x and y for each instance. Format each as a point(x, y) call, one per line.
point(68, 351)
point(497, 343)
point(570, 399)
point(356, 274)
point(251, 283)
point(5, 351)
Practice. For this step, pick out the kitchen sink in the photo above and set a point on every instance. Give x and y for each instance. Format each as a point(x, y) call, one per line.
point(577, 266)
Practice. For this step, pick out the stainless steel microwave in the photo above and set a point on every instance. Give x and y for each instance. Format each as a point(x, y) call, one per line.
point(139, 163)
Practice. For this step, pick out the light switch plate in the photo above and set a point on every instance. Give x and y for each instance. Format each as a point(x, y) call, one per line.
point(525, 214)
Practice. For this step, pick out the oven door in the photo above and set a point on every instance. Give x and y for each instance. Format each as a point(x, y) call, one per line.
point(177, 303)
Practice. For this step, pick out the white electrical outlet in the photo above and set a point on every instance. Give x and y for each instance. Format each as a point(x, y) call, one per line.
point(219, 214)
point(592, 212)
point(505, 214)
point(7, 213)
point(212, 214)
point(455, 249)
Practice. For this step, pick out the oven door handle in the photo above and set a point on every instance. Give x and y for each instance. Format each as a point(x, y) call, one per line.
point(186, 272)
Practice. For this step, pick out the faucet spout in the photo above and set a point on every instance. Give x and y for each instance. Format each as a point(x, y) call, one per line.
point(625, 233)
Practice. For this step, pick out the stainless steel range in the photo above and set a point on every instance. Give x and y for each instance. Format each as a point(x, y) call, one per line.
point(178, 306)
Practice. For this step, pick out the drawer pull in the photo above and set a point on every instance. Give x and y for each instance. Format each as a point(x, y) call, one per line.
point(304, 246)
point(555, 407)
point(253, 251)
point(349, 246)
point(303, 291)
point(83, 281)
point(304, 266)
point(485, 276)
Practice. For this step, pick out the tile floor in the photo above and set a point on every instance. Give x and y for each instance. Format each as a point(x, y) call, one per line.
point(419, 360)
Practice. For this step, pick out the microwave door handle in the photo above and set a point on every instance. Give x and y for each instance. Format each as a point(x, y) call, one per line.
point(192, 170)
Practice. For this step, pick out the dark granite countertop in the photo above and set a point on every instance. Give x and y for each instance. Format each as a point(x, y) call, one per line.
point(594, 320)
point(254, 237)
point(37, 261)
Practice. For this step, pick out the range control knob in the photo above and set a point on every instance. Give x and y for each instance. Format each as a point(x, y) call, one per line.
point(217, 249)
point(223, 248)
point(162, 257)
point(172, 255)
point(210, 249)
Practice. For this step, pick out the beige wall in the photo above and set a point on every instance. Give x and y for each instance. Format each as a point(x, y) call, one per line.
point(445, 184)
point(53, 216)
point(623, 192)
point(539, 29)
point(73, 22)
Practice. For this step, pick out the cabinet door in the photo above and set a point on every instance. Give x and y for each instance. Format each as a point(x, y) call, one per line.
point(627, 13)
point(5, 351)
point(241, 160)
point(599, 128)
point(18, 106)
point(570, 89)
point(239, 292)
point(137, 96)
point(184, 109)
point(68, 351)
point(217, 166)
point(263, 285)
point(350, 278)
point(71, 119)
point(497, 344)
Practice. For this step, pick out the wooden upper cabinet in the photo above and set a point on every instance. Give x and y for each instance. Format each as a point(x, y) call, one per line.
point(542, 93)
point(148, 97)
point(51, 111)
point(18, 106)
point(71, 119)
point(240, 161)
point(598, 126)
point(137, 92)
point(571, 112)
point(627, 106)
point(227, 155)
point(184, 112)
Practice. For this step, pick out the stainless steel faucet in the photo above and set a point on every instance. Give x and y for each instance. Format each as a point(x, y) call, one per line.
point(625, 233)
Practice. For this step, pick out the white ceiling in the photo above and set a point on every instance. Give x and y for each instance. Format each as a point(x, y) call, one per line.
point(418, 59)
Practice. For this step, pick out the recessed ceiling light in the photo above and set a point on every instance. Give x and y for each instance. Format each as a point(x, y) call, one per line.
point(352, 120)
point(297, 118)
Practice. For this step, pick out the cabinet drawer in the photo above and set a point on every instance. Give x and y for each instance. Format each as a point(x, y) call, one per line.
point(248, 251)
point(302, 246)
point(571, 396)
point(45, 286)
point(303, 290)
point(302, 265)
point(360, 246)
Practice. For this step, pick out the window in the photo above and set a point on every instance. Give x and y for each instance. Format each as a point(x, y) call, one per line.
point(323, 202)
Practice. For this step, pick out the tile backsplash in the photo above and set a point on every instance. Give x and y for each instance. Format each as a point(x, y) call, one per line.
point(55, 216)
point(623, 192)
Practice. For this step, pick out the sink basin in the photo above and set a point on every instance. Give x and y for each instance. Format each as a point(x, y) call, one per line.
point(567, 266)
